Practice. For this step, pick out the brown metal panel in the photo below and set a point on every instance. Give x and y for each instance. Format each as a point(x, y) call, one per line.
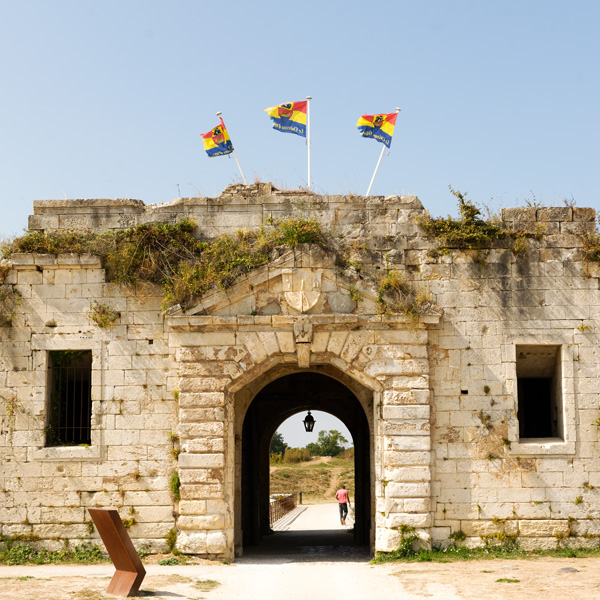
point(129, 569)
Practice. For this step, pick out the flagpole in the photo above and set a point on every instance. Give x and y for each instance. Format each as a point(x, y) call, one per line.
point(308, 99)
point(378, 163)
point(234, 154)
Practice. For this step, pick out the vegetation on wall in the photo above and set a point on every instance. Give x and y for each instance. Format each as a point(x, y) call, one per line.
point(187, 268)
point(9, 301)
point(398, 295)
point(591, 246)
point(470, 232)
point(103, 315)
point(169, 255)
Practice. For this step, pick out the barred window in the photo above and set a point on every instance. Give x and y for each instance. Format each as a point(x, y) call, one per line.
point(70, 398)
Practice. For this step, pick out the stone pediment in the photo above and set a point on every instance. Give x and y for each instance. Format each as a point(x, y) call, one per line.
point(304, 280)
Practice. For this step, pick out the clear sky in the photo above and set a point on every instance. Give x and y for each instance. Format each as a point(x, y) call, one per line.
point(295, 436)
point(106, 99)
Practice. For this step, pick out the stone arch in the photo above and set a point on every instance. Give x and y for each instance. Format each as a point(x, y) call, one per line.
point(263, 405)
point(221, 364)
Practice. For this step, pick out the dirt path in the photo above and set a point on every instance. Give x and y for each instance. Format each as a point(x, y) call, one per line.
point(282, 577)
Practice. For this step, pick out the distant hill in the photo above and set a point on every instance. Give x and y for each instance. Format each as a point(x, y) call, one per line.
point(317, 479)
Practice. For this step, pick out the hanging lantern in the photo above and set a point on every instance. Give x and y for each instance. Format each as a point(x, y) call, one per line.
point(309, 422)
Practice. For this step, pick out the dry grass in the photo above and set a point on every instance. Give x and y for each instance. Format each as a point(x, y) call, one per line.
point(317, 480)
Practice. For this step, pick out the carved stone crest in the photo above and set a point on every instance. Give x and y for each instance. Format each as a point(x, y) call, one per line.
point(301, 288)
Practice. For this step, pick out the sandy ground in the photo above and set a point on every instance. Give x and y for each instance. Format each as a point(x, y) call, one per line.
point(473, 580)
point(300, 562)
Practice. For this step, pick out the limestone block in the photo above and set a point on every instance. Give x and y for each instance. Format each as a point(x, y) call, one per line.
point(410, 519)
point(377, 368)
point(415, 473)
point(408, 382)
point(406, 412)
point(204, 445)
point(203, 399)
point(14, 515)
point(386, 540)
point(191, 415)
point(210, 369)
point(192, 542)
point(203, 384)
point(320, 342)
point(269, 341)
point(201, 461)
point(147, 498)
point(187, 522)
point(285, 339)
point(336, 342)
point(407, 490)
point(392, 457)
point(414, 427)
point(59, 530)
point(193, 430)
point(193, 476)
point(202, 491)
point(136, 378)
point(417, 505)
point(153, 514)
point(26, 278)
point(543, 528)
point(216, 542)
point(192, 507)
point(251, 341)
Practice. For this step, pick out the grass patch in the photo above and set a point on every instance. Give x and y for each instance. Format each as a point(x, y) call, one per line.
point(507, 580)
point(458, 553)
point(19, 551)
point(169, 562)
point(314, 479)
point(206, 585)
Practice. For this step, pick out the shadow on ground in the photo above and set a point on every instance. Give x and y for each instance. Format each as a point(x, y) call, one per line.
point(306, 546)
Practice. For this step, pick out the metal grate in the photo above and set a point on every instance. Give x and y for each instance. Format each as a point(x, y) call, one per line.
point(70, 402)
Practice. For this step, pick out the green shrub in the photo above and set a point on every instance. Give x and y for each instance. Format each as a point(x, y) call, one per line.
point(175, 485)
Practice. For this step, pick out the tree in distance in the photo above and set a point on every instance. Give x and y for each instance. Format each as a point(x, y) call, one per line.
point(278, 445)
point(329, 443)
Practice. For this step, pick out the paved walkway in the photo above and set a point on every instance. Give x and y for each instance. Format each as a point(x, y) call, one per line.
point(311, 517)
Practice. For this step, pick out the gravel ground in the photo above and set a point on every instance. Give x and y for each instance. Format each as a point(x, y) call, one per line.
point(299, 563)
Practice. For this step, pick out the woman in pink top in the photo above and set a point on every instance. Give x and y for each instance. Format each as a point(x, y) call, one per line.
point(343, 498)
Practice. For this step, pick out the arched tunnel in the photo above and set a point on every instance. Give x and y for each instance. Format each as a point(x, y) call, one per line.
point(321, 389)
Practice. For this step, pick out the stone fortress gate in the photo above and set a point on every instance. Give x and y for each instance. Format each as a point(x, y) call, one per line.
point(475, 417)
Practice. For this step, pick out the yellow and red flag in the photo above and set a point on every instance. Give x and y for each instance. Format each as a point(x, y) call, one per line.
point(216, 141)
point(289, 117)
point(379, 127)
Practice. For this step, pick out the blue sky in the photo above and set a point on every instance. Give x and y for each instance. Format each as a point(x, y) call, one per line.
point(106, 99)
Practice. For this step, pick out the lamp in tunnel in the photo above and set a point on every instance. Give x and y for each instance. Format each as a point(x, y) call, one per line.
point(309, 422)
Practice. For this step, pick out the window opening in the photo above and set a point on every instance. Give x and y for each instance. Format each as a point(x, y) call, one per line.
point(70, 401)
point(539, 392)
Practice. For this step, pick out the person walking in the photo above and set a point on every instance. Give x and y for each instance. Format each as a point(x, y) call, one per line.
point(343, 499)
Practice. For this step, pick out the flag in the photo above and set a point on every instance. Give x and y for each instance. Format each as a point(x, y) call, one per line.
point(289, 117)
point(217, 142)
point(378, 127)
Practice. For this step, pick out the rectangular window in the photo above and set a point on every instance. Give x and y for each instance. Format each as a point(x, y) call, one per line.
point(539, 392)
point(70, 398)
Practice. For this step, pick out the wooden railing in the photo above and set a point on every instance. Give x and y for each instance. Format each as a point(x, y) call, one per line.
point(282, 505)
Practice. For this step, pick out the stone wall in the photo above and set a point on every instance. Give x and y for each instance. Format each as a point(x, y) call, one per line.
point(170, 391)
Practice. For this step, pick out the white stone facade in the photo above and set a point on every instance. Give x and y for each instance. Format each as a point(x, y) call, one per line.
point(170, 391)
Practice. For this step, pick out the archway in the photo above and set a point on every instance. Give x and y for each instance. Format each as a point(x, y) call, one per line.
point(282, 394)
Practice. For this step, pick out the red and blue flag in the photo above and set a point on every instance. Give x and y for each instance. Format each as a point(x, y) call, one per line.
point(289, 117)
point(379, 127)
point(217, 142)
